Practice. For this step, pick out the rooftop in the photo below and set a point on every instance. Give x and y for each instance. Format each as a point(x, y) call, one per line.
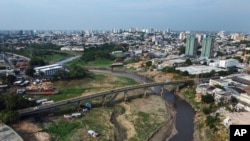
point(198, 69)
point(8, 134)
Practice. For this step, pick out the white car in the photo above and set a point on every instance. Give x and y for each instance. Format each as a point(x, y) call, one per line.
point(35, 108)
point(93, 133)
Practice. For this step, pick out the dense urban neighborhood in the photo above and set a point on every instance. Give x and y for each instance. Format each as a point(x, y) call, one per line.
point(214, 68)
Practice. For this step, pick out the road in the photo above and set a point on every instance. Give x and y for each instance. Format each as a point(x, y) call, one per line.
point(68, 59)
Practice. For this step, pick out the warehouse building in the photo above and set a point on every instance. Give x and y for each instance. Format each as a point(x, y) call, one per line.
point(49, 69)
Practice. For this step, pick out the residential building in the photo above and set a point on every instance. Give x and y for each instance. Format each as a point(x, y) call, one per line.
point(202, 89)
point(191, 46)
point(182, 36)
point(237, 37)
point(220, 82)
point(198, 36)
point(228, 63)
point(207, 47)
point(221, 96)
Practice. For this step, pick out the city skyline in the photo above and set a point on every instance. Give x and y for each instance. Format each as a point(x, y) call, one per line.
point(192, 15)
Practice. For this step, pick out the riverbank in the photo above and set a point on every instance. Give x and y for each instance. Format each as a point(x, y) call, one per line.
point(167, 130)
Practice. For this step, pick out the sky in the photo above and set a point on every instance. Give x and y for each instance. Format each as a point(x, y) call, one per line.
point(186, 15)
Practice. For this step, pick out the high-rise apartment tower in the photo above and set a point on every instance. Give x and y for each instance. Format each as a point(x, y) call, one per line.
point(191, 46)
point(207, 47)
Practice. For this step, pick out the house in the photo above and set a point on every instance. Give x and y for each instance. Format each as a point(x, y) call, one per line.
point(220, 82)
point(202, 89)
point(221, 96)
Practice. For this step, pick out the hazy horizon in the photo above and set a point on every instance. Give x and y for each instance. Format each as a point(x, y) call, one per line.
point(181, 15)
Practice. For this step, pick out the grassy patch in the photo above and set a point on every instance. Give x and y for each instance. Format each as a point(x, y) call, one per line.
point(104, 63)
point(66, 93)
point(144, 126)
point(124, 81)
point(189, 94)
point(62, 129)
point(97, 119)
point(98, 77)
point(65, 109)
point(118, 55)
point(55, 56)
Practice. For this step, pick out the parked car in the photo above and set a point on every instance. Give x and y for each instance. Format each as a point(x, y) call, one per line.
point(93, 133)
point(76, 114)
point(35, 108)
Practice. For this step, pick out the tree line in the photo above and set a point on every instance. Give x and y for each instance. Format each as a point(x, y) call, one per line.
point(9, 104)
point(102, 52)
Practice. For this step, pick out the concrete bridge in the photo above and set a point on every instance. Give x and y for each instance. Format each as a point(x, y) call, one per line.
point(42, 108)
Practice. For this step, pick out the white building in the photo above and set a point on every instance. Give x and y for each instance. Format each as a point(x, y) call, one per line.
point(49, 69)
point(202, 89)
point(77, 48)
point(220, 82)
point(228, 63)
point(198, 69)
point(72, 48)
point(182, 36)
point(214, 64)
point(65, 48)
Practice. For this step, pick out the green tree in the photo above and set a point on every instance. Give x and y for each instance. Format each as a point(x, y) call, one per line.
point(30, 71)
point(9, 116)
point(219, 86)
point(185, 73)
point(36, 62)
point(15, 102)
point(233, 100)
point(168, 69)
point(188, 62)
point(10, 79)
point(149, 63)
point(206, 110)
point(204, 63)
point(182, 50)
point(208, 98)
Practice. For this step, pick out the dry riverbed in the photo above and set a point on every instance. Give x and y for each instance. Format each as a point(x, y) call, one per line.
point(148, 118)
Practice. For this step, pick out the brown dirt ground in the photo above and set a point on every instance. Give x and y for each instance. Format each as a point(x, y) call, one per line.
point(30, 131)
point(239, 117)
